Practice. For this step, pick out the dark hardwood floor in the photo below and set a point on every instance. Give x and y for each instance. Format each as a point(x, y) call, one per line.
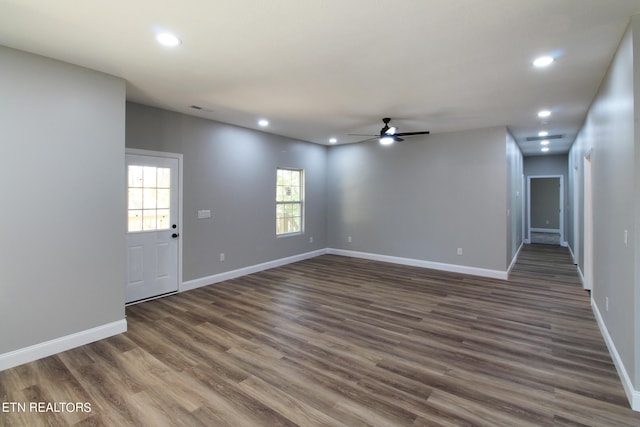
point(342, 341)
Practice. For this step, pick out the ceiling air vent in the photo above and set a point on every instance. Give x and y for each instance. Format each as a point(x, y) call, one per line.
point(542, 138)
point(203, 109)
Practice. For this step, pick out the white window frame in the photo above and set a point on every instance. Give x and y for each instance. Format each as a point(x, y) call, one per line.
point(299, 202)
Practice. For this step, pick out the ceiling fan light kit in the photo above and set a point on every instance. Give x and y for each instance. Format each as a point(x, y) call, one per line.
point(390, 134)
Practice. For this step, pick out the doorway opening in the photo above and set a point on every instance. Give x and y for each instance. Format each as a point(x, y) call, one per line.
point(545, 222)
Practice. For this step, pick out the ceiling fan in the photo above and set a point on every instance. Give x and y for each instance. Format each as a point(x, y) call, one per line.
point(389, 134)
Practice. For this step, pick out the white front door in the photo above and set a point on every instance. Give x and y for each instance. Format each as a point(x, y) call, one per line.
point(152, 226)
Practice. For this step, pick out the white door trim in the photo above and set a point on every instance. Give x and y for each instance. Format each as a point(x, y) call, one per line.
point(587, 243)
point(561, 213)
point(179, 157)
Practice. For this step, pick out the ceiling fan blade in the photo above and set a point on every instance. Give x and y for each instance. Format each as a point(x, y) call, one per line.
point(368, 139)
point(426, 132)
point(360, 134)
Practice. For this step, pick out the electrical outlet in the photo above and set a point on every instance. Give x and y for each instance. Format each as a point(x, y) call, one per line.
point(606, 303)
point(311, 239)
point(459, 251)
point(349, 239)
point(221, 256)
point(626, 238)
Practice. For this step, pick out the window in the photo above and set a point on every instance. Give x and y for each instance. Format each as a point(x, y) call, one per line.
point(149, 190)
point(289, 198)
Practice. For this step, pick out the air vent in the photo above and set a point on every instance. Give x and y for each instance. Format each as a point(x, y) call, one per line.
point(203, 109)
point(542, 138)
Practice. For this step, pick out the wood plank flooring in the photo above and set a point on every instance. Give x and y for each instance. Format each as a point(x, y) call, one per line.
point(337, 341)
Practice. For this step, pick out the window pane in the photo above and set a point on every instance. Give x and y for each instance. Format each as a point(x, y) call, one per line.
point(292, 224)
point(286, 177)
point(295, 193)
point(149, 176)
point(295, 178)
point(135, 198)
point(135, 221)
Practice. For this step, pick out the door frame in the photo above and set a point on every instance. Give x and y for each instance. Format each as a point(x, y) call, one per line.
point(587, 246)
point(561, 200)
point(179, 157)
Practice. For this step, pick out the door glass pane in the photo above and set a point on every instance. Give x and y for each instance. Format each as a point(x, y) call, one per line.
point(164, 200)
point(163, 219)
point(150, 176)
point(135, 220)
point(164, 178)
point(135, 198)
point(135, 176)
point(149, 219)
point(149, 198)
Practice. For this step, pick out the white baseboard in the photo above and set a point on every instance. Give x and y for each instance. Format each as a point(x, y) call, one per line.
point(633, 395)
point(58, 345)
point(228, 275)
point(573, 256)
point(515, 258)
point(580, 275)
point(474, 271)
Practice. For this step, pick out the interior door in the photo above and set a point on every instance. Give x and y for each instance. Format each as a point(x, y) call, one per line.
point(152, 226)
point(545, 204)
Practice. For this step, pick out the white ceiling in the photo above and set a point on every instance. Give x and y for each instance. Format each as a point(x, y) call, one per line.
point(327, 68)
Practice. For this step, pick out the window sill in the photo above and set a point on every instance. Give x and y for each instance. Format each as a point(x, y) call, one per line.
point(295, 233)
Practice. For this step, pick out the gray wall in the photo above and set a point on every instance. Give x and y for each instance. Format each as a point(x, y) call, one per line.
point(61, 253)
point(232, 172)
point(612, 132)
point(423, 198)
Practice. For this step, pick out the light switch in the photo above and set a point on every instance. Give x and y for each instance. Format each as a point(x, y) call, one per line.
point(204, 213)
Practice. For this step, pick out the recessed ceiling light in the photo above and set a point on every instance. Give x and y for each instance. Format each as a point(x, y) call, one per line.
point(263, 122)
point(333, 140)
point(544, 149)
point(543, 133)
point(544, 113)
point(168, 39)
point(544, 142)
point(543, 61)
